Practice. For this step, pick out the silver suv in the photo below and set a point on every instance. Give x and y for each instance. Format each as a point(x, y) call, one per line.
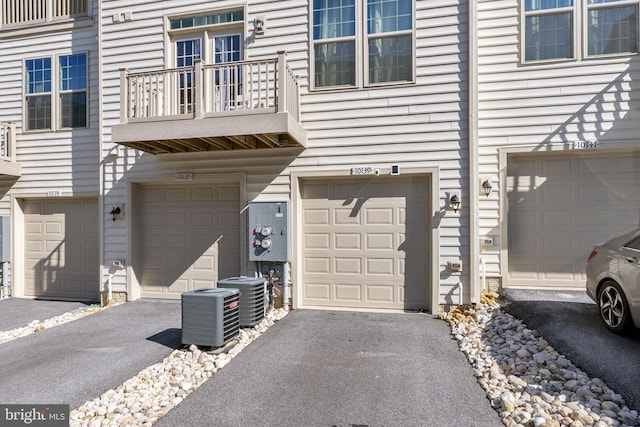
point(613, 280)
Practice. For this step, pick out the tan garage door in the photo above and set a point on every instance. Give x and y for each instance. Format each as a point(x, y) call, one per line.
point(61, 249)
point(189, 237)
point(560, 206)
point(365, 243)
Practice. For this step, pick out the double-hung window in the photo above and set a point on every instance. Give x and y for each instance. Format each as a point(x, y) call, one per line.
point(362, 42)
point(569, 29)
point(56, 97)
point(612, 26)
point(548, 29)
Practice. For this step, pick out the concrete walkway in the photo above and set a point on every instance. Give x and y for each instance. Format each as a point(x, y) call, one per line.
point(328, 368)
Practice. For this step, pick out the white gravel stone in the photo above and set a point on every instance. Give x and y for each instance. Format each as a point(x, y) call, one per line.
point(527, 381)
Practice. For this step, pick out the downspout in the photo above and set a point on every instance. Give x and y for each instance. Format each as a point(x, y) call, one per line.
point(101, 157)
point(474, 224)
point(286, 289)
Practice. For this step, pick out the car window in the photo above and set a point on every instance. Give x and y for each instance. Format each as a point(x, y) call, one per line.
point(634, 244)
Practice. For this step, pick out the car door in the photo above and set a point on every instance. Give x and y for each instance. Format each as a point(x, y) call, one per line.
point(629, 266)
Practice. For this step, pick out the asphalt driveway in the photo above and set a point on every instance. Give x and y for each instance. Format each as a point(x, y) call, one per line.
point(336, 368)
point(320, 368)
point(570, 322)
point(80, 360)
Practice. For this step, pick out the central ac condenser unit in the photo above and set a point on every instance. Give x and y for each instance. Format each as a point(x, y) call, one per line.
point(252, 290)
point(210, 316)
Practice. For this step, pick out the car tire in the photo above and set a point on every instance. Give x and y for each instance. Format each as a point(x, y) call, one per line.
point(613, 307)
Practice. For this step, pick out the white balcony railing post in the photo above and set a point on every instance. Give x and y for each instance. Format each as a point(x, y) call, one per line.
point(124, 96)
point(11, 143)
point(199, 92)
point(281, 85)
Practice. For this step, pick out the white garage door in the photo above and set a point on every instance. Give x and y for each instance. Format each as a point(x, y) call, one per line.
point(560, 206)
point(61, 249)
point(365, 243)
point(189, 237)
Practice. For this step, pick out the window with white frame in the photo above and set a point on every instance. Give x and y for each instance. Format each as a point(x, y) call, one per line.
point(563, 29)
point(384, 50)
point(56, 97)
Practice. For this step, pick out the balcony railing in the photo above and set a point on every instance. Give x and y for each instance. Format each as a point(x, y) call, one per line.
point(15, 12)
point(202, 91)
point(7, 141)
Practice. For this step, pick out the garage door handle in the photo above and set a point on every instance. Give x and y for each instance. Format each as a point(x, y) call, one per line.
point(632, 259)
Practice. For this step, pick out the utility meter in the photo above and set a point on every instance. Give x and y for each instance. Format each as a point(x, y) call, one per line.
point(268, 231)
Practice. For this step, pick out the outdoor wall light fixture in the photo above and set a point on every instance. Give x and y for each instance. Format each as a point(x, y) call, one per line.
point(454, 203)
point(115, 212)
point(487, 186)
point(259, 24)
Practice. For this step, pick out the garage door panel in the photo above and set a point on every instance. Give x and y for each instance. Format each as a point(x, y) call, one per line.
point(344, 265)
point(365, 224)
point(346, 216)
point(316, 217)
point(346, 241)
point(380, 293)
point(578, 200)
point(317, 292)
point(317, 265)
point(348, 293)
point(380, 267)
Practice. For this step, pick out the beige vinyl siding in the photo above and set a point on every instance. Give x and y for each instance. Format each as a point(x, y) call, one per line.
point(64, 160)
point(421, 125)
point(542, 107)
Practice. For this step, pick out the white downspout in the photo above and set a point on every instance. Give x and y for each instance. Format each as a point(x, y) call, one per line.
point(286, 289)
point(460, 292)
point(484, 274)
point(474, 222)
point(109, 294)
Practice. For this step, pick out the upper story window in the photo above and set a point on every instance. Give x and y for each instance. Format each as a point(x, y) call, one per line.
point(33, 11)
point(562, 29)
point(375, 36)
point(56, 97)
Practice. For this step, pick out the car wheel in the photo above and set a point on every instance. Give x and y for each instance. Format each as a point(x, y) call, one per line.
point(614, 310)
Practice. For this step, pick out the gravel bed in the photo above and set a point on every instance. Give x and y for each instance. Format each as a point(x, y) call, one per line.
point(39, 326)
point(526, 381)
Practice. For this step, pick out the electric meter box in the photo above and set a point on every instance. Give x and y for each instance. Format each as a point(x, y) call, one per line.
point(269, 231)
point(5, 238)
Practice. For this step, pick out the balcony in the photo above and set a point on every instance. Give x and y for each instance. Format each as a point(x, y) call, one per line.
point(10, 171)
point(237, 105)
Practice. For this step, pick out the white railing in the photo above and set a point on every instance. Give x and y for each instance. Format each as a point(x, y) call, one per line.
point(7, 141)
point(209, 90)
point(29, 11)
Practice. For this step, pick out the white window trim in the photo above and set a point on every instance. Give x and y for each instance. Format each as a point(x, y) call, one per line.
point(204, 32)
point(361, 39)
point(56, 118)
point(580, 36)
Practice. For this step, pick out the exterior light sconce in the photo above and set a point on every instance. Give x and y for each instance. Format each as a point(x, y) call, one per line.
point(259, 24)
point(115, 212)
point(487, 185)
point(454, 203)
